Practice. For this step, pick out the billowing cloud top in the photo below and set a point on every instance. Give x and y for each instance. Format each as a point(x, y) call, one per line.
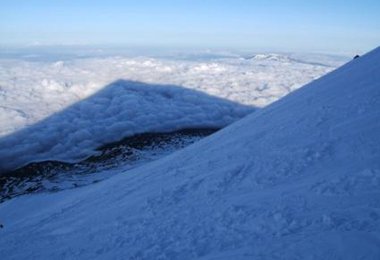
point(63, 110)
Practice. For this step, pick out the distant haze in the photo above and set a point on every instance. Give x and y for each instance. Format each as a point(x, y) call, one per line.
point(337, 26)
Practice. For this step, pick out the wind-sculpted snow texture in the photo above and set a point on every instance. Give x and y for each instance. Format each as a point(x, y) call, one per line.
point(105, 112)
point(298, 179)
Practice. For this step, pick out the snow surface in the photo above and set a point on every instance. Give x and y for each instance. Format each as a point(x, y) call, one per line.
point(298, 179)
point(63, 110)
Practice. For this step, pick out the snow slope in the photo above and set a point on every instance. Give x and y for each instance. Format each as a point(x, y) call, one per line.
point(298, 179)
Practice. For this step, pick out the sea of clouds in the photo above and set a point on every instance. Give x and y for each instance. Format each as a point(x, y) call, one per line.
point(64, 109)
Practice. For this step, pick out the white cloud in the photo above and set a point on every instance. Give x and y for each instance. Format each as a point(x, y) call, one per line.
point(33, 91)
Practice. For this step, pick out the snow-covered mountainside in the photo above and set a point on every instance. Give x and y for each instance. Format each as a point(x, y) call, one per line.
point(298, 179)
point(63, 110)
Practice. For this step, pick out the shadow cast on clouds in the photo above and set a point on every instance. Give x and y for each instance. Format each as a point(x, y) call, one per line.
point(122, 108)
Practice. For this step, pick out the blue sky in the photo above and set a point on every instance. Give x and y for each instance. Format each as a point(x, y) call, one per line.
point(324, 25)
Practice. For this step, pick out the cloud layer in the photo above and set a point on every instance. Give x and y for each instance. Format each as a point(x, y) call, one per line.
point(63, 110)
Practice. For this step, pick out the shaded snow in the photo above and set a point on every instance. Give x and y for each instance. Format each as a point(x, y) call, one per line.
point(299, 179)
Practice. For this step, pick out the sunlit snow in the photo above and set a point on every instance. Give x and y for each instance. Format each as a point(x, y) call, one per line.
point(297, 179)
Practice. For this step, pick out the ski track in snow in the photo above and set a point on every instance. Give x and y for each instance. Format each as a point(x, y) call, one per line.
point(99, 107)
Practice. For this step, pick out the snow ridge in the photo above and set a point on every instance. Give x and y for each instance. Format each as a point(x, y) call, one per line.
point(298, 179)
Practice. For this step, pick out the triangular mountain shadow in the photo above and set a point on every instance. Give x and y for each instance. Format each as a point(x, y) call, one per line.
point(121, 109)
